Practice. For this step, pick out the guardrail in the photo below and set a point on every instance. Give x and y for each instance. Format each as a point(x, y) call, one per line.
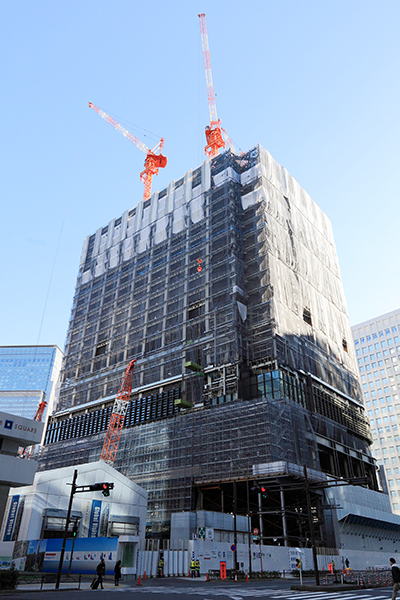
point(42, 578)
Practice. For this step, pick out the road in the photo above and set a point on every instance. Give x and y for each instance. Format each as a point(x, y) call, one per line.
point(186, 589)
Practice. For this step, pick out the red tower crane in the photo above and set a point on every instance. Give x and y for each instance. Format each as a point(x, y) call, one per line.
point(214, 131)
point(153, 161)
point(118, 415)
point(26, 452)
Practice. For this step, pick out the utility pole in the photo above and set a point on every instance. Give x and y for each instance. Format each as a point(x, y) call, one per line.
point(310, 519)
point(234, 526)
point(71, 497)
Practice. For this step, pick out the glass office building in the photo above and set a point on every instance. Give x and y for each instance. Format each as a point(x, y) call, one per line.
point(29, 374)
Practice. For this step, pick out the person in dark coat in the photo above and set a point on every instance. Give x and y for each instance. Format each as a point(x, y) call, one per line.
point(101, 571)
point(396, 577)
point(117, 572)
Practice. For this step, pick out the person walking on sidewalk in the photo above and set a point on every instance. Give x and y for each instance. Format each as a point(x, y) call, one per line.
point(117, 572)
point(396, 577)
point(101, 571)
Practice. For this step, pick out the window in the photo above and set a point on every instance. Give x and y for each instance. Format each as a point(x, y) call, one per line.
point(393, 494)
point(391, 482)
point(356, 342)
point(371, 348)
point(362, 340)
point(307, 316)
point(375, 336)
point(368, 338)
point(395, 505)
point(344, 344)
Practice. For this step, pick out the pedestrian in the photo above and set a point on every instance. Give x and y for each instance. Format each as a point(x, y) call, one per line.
point(160, 571)
point(197, 568)
point(117, 572)
point(101, 571)
point(396, 577)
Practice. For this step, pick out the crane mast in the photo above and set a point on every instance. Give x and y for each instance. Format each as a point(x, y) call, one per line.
point(117, 419)
point(214, 137)
point(26, 452)
point(154, 159)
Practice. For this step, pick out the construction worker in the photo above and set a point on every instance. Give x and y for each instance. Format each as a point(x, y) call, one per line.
point(160, 567)
point(197, 567)
point(192, 568)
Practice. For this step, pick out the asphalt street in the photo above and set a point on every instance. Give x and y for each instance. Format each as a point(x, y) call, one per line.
point(186, 589)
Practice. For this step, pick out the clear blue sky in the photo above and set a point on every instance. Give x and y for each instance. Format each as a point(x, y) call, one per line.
point(315, 82)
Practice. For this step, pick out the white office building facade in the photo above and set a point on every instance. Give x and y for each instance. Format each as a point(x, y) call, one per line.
point(377, 344)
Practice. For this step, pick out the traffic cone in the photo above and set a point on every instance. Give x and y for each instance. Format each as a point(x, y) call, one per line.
point(189, 574)
point(144, 576)
point(235, 576)
point(138, 583)
point(247, 578)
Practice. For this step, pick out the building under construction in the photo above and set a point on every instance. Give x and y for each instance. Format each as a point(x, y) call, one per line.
point(225, 287)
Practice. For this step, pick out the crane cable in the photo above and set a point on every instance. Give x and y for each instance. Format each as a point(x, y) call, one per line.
point(62, 228)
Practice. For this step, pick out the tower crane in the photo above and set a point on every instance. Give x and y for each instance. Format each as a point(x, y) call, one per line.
point(214, 137)
point(118, 415)
point(154, 159)
point(26, 452)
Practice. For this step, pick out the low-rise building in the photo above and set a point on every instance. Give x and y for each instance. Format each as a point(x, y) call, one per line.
point(15, 433)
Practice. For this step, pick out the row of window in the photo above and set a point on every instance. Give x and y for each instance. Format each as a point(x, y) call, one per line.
point(387, 399)
point(378, 345)
point(387, 428)
point(375, 335)
point(385, 450)
point(378, 355)
point(379, 421)
point(382, 410)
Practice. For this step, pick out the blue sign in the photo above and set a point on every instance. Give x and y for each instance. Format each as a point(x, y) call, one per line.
point(11, 518)
point(94, 523)
point(8, 424)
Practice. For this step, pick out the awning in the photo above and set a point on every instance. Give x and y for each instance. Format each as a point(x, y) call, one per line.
point(369, 522)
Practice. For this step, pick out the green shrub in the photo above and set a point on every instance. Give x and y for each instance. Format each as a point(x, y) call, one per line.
point(8, 579)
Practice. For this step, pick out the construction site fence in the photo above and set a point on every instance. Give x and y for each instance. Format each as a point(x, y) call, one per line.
point(369, 578)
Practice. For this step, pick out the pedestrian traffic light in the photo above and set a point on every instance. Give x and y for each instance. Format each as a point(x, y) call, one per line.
point(107, 487)
point(75, 529)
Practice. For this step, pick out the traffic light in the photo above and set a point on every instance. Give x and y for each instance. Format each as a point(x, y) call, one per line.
point(106, 487)
point(260, 489)
point(298, 563)
point(75, 529)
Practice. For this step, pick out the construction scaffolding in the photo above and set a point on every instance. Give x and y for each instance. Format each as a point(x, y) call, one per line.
point(225, 287)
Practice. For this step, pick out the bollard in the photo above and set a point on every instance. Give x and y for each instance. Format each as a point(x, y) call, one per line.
point(138, 583)
point(247, 578)
point(207, 578)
